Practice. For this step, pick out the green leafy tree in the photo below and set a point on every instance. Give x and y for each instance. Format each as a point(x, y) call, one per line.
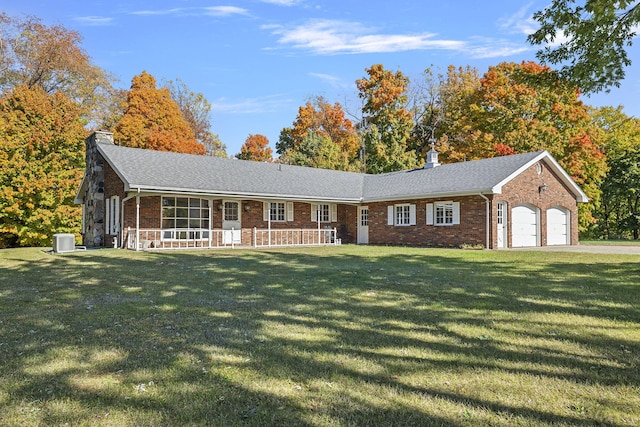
point(617, 210)
point(389, 123)
point(42, 158)
point(621, 196)
point(318, 150)
point(152, 120)
point(589, 39)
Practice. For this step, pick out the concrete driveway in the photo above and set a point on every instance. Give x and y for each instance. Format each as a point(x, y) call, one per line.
point(594, 249)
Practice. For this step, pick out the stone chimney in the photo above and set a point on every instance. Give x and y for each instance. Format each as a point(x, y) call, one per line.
point(94, 189)
point(432, 159)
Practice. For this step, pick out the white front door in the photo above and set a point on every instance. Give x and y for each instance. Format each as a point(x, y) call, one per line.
point(557, 227)
point(231, 224)
point(524, 224)
point(502, 222)
point(363, 225)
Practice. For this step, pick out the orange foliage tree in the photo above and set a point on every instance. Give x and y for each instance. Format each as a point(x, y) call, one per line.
point(525, 107)
point(152, 120)
point(256, 148)
point(42, 158)
point(319, 120)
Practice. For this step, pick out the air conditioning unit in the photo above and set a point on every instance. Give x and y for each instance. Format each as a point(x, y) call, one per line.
point(64, 243)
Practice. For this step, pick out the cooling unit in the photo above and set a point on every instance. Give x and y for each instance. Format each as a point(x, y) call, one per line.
point(64, 243)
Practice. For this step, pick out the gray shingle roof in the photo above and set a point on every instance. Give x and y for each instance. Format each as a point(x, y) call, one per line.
point(159, 171)
point(478, 176)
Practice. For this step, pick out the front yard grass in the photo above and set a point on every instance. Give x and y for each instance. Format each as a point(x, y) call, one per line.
point(332, 336)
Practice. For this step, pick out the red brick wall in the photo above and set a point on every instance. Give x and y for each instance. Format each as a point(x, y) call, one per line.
point(471, 229)
point(524, 190)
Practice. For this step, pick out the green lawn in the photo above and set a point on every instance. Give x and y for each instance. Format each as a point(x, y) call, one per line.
point(332, 336)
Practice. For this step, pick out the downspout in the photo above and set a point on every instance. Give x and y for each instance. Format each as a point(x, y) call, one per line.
point(486, 202)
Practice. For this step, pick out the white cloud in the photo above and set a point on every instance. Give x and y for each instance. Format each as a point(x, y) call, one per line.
point(264, 104)
point(328, 37)
point(283, 2)
point(225, 10)
point(94, 20)
point(521, 22)
point(332, 80)
point(191, 11)
point(483, 48)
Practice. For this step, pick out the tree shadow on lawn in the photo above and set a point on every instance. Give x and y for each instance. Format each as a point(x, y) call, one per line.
point(313, 337)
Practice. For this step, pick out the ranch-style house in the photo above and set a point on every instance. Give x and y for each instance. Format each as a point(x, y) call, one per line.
point(144, 199)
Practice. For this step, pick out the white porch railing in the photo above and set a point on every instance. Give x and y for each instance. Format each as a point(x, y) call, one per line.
point(155, 239)
point(295, 237)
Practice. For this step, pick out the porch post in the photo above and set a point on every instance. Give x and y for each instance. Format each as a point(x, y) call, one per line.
point(269, 225)
point(318, 217)
point(138, 221)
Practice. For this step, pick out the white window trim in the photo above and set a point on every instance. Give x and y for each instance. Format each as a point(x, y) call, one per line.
point(288, 211)
point(333, 212)
point(207, 205)
point(392, 215)
point(112, 215)
point(432, 217)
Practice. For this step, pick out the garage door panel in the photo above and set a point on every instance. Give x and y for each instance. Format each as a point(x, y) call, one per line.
point(557, 227)
point(524, 227)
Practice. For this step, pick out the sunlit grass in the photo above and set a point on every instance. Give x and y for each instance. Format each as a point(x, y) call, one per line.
point(319, 337)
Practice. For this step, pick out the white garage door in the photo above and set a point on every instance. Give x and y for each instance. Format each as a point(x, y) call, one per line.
point(557, 227)
point(524, 223)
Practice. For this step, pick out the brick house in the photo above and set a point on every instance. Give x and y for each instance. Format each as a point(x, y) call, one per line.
point(145, 199)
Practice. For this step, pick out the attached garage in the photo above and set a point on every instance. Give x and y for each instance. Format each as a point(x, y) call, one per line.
point(557, 227)
point(524, 227)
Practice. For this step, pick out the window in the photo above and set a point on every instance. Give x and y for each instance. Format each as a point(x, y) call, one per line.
point(185, 213)
point(324, 212)
point(277, 211)
point(402, 215)
point(231, 210)
point(112, 215)
point(443, 213)
point(364, 217)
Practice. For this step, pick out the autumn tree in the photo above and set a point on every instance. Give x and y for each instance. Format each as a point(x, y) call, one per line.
point(321, 126)
point(527, 107)
point(35, 55)
point(152, 120)
point(440, 107)
point(196, 110)
point(388, 123)
point(42, 158)
point(256, 148)
point(588, 39)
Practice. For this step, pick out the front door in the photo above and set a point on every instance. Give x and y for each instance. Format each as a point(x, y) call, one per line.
point(231, 225)
point(363, 225)
point(502, 222)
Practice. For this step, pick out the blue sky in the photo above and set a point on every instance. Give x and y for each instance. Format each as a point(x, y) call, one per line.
point(257, 61)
